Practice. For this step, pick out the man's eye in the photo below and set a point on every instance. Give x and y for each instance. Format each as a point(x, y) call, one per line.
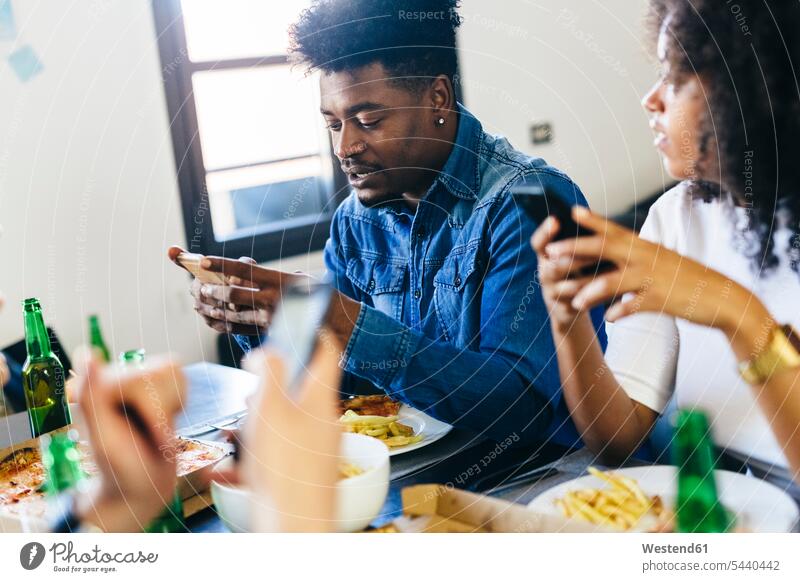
point(334, 126)
point(369, 124)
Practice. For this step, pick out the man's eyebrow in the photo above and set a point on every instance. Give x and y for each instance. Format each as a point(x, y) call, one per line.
point(354, 110)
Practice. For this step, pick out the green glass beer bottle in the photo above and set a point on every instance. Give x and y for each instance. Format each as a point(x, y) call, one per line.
point(698, 508)
point(96, 339)
point(170, 520)
point(61, 461)
point(42, 376)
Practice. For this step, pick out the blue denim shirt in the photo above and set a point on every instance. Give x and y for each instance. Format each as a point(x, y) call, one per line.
point(453, 321)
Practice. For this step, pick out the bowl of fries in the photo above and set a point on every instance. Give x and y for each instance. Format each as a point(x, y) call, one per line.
point(365, 481)
point(361, 489)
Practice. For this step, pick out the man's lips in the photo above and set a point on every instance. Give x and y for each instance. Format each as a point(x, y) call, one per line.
point(357, 174)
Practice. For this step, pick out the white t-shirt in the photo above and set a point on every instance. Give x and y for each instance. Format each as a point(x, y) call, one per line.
point(656, 355)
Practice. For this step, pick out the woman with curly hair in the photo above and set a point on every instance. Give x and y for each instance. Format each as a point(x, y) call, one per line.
point(706, 299)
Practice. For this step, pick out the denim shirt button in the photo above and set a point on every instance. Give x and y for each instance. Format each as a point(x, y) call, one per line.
point(371, 284)
point(417, 294)
point(458, 281)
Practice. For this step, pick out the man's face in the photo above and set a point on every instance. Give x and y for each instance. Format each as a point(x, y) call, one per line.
point(380, 132)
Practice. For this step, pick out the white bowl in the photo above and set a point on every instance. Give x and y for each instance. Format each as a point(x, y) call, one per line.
point(359, 499)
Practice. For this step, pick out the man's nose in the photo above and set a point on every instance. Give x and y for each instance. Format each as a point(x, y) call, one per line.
point(350, 144)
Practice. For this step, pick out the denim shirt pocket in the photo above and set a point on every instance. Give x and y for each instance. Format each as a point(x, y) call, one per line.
point(382, 282)
point(455, 293)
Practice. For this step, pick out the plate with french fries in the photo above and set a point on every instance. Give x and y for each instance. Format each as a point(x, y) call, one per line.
point(406, 431)
point(641, 499)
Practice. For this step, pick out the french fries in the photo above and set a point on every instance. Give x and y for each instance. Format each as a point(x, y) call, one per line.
point(347, 470)
point(385, 428)
point(620, 507)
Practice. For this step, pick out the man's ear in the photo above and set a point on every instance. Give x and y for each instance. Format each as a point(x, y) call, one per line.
point(441, 96)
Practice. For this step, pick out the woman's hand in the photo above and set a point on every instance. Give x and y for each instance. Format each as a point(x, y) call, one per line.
point(653, 279)
point(130, 415)
point(559, 277)
point(292, 443)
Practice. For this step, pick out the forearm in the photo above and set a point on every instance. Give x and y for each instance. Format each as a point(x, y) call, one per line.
point(749, 328)
point(609, 421)
point(482, 391)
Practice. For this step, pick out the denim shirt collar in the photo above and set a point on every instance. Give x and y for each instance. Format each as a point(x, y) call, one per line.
point(461, 174)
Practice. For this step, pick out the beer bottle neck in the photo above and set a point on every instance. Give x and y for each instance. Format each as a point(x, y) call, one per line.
point(37, 341)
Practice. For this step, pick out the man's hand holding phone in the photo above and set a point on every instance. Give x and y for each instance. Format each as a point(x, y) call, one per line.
point(234, 296)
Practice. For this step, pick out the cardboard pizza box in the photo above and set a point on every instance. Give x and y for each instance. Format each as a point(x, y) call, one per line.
point(440, 509)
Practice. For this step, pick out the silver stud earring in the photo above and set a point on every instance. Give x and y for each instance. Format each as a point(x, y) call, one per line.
point(440, 122)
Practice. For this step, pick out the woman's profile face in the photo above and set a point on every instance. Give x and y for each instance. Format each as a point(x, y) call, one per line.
point(677, 105)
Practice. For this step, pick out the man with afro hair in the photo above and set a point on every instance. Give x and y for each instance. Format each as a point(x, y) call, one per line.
point(437, 301)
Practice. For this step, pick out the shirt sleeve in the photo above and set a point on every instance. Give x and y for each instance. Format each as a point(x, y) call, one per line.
point(643, 348)
point(508, 384)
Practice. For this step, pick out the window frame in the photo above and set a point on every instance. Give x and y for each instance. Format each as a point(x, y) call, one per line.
point(308, 235)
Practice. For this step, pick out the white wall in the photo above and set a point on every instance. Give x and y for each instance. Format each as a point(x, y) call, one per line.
point(88, 196)
point(582, 65)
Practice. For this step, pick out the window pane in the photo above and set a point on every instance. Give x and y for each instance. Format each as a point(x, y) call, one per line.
point(256, 115)
point(230, 29)
point(275, 195)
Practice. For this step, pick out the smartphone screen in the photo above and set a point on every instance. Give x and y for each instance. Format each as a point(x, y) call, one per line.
point(295, 327)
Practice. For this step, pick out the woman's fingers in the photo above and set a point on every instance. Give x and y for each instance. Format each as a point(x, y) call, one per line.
point(544, 234)
point(567, 289)
point(600, 290)
point(594, 247)
point(554, 270)
point(596, 223)
point(622, 309)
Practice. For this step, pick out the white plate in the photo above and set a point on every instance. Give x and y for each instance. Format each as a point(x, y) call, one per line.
point(430, 429)
point(759, 506)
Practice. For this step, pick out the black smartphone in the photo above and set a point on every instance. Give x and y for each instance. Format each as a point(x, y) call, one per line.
point(295, 328)
point(538, 204)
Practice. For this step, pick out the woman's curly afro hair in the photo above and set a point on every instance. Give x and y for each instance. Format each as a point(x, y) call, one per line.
point(746, 54)
point(414, 40)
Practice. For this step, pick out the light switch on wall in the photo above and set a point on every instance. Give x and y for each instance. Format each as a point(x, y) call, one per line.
point(541, 133)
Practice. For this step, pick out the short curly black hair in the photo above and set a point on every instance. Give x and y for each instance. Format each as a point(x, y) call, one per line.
point(414, 40)
point(744, 52)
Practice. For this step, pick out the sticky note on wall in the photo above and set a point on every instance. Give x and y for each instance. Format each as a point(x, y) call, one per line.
point(7, 29)
point(25, 63)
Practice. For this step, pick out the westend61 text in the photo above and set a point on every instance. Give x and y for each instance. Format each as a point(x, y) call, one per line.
point(675, 549)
